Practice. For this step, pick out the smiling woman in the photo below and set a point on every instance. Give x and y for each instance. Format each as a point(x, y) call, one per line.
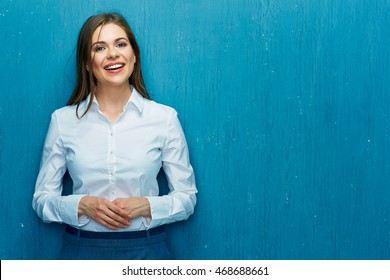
point(113, 62)
point(113, 152)
point(90, 35)
point(113, 57)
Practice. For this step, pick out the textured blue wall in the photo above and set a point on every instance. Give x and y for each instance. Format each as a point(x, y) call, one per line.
point(285, 105)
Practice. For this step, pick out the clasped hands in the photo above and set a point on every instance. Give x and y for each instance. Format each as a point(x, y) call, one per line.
point(114, 214)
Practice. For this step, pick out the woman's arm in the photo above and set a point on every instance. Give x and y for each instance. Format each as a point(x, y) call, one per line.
point(179, 204)
point(48, 201)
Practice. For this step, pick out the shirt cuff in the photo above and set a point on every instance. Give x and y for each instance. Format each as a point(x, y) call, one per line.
point(69, 211)
point(83, 220)
point(159, 210)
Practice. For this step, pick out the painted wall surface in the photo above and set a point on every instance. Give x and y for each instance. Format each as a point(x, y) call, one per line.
point(285, 105)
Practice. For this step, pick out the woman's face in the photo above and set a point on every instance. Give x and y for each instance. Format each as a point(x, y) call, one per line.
point(112, 56)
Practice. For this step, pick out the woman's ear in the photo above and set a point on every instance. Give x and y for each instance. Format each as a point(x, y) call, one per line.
point(87, 67)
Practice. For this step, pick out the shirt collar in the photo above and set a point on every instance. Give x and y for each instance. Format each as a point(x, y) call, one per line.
point(136, 100)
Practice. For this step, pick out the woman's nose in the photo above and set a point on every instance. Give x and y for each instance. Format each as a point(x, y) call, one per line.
point(112, 53)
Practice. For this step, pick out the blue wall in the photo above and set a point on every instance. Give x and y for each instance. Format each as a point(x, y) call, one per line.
point(285, 105)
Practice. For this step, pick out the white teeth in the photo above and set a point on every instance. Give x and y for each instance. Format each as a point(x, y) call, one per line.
point(114, 66)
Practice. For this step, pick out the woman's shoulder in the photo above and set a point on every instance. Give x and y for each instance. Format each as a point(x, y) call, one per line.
point(151, 106)
point(159, 108)
point(68, 114)
point(66, 111)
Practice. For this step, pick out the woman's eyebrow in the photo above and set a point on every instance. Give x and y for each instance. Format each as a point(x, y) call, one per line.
point(103, 42)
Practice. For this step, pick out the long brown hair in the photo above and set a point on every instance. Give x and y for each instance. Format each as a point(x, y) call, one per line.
point(85, 81)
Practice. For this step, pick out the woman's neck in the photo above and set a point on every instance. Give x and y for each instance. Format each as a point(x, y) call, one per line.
point(112, 100)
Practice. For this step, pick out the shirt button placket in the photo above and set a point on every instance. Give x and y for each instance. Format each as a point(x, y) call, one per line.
point(111, 161)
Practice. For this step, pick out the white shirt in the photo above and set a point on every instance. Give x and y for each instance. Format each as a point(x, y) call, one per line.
point(115, 160)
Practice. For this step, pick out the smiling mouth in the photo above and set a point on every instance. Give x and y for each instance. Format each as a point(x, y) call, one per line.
point(114, 66)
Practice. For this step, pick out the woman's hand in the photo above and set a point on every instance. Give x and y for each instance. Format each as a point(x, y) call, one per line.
point(134, 206)
point(104, 212)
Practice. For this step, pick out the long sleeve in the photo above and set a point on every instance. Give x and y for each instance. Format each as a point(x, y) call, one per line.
point(48, 201)
point(180, 202)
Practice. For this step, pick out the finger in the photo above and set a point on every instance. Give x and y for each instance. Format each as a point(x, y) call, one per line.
point(119, 211)
point(117, 217)
point(107, 225)
point(113, 223)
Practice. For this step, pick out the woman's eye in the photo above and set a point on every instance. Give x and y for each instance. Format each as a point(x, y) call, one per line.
point(99, 48)
point(121, 45)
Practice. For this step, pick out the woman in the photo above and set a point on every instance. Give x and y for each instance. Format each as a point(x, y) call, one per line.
point(113, 140)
